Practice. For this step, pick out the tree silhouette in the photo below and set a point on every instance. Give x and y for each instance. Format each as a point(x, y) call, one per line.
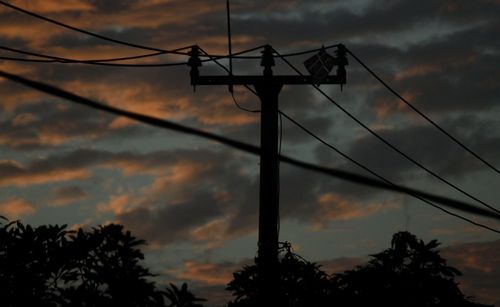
point(182, 297)
point(51, 266)
point(302, 283)
point(409, 273)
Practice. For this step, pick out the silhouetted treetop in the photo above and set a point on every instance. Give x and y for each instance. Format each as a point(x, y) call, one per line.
point(302, 283)
point(52, 266)
point(409, 273)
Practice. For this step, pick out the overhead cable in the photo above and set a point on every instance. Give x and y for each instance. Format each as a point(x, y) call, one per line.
point(100, 62)
point(281, 113)
point(427, 118)
point(156, 122)
point(362, 166)
point(389, 144)
point(237, 55)
point(113, 40)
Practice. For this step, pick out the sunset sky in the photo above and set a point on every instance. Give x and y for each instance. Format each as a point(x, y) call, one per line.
point(196, 201)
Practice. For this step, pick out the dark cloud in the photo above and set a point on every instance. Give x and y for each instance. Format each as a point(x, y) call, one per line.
point(429, 147)
point(479, 264)
point(48, 125)
point(172, 223)
point(110, 6)
point(67, 194)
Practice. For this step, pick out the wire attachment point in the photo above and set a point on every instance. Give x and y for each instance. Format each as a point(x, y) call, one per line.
point(194, 62)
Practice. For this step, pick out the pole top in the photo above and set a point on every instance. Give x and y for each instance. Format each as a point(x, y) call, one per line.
point(267, 60)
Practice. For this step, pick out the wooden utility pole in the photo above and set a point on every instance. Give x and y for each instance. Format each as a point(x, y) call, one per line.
point(268, 87)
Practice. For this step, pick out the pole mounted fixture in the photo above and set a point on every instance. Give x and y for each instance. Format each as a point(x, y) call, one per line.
point(194, 62)
point(321, 64)
point(268, 87)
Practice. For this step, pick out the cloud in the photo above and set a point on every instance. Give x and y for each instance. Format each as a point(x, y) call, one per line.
point(340, 265)
point(334, 207)
point(15, 208)
point(171, 223)
point(117, 204)
point(210, 274)
point(479, 263)
point(52, 6)
point(208, 279)
point(65, 195)
point(16, 174)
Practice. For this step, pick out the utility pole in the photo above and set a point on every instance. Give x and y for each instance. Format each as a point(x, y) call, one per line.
point(268, 87)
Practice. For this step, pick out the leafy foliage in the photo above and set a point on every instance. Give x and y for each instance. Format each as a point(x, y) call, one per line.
point(182, 297)
point(51, 266)
point(302, 283)
point(409, 274)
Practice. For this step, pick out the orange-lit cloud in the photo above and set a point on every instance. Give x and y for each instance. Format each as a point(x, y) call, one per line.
point(15, 96)
point(479, 263)
point(24, 119)
point(66, 195)
point(333, 207)
point(385, 107)
point(13, 173)
point(117, 204)
point(213, 234)
point(209, 273)
point(417, 71)
point(53, 6)
point(15, 208)
point(143, 98)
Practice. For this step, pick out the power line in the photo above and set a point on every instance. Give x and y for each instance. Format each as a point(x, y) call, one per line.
point(5, 58)
point(390, 144)
point(106, 62)
point(160, 123)
point(422, 114)
point(242, 107)
point(102, 37)
point(100, 62)
point(116, 41)
point(237, 55)
point(362, 166)
point(352, 160)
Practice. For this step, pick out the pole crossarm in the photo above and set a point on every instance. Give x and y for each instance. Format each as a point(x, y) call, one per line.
point(267, 78)
point(251, 80)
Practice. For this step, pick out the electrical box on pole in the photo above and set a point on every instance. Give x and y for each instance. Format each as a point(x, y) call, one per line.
point(268, 87)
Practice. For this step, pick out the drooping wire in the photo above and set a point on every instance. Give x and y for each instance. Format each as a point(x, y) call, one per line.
point(106, 62)
point(116, 41)
point(101, 62)
point(134, 45)
point(99, 36)
point(280, 141)
point(160, 123)
point(389, 144)
point(242, 107)
point(363, 167)
point(427, 118)
point(370, 171)
point(6, 58)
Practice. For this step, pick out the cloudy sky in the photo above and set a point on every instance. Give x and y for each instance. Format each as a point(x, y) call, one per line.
point(195, 201)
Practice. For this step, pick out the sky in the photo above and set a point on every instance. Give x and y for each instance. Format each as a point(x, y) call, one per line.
point(196, 201)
